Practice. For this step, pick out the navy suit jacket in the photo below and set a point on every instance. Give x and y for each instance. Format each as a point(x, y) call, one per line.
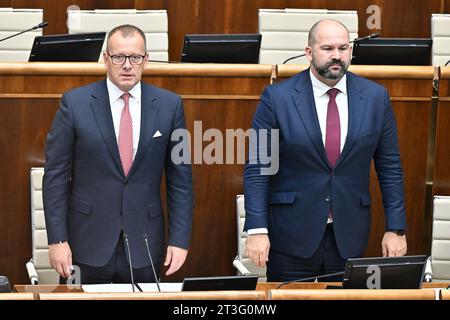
point(88, 199)
point(294, 203)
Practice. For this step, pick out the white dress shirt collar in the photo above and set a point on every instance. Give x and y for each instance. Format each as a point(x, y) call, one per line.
point(115, 93)
point(320, 88)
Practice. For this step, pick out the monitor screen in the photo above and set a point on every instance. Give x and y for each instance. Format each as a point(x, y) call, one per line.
point(392, 51)
point(393, 273)
point(221, 48)
point(82, 47)
point(247, 282)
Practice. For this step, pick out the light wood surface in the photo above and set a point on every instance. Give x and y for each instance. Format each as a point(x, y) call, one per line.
point(351, 294)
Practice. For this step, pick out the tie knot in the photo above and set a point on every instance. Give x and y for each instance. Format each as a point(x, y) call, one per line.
point(125, 97)
point(332, 93)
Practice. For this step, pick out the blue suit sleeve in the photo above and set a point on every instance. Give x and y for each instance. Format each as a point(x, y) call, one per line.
point(389, 170)
point(179, 191)
point(58, 170)
point(256, 182)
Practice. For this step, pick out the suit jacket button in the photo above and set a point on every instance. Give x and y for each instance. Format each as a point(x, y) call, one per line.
point(327, 199)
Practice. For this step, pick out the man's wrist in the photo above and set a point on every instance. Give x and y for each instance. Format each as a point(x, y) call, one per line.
point(399, 232)
point(59, 242)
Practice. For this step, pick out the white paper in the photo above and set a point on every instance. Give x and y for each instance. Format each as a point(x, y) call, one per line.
point(108, 287)
point(126, 287)
point(165, 287)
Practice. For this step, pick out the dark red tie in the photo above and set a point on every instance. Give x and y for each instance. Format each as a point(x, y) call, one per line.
point(333, 133)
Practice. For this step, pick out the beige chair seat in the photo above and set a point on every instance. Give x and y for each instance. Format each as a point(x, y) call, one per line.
point(153, 23)
point(285, 31)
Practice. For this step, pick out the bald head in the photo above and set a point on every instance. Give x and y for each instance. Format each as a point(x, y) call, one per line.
point(326, 26)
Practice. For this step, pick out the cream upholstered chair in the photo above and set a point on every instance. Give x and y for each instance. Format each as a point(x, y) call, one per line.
point(13, 21)
point(285, 31)
point(46, 275)
point(440, 245)
point(440, 33)
point(242, 262)
point(153, 23)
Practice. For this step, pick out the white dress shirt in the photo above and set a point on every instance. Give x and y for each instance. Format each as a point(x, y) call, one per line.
point(321, 99)
point(117, 104)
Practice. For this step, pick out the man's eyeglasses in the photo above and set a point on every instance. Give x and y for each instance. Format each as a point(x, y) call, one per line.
point(120, 59)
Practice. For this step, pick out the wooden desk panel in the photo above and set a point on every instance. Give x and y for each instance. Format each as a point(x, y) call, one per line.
point(16, 296)
point(352, 294)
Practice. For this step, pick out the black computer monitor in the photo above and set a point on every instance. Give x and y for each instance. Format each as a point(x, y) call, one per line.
point(247, 282)
point(221, 48)
point(394, 272)
point(393, 51)
point(82, 47)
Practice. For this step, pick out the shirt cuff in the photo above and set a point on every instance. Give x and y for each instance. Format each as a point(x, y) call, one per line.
point(257, 231)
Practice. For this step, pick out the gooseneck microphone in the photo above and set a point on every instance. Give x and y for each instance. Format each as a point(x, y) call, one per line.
point(130, 264)
point(370, 36)
point(151, 260)
point(311, 278)
point(446, 64)
point(38, 26)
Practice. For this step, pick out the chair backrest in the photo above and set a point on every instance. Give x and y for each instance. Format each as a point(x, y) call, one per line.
point(242, 236)
point(12, 21)
point(285, 31)
point(440, 245)
point(39, 234)
point(153, 23)
point(440, 33)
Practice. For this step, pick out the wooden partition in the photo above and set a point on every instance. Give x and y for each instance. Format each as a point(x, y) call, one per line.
point(222, 97)
point(352, 294)
point(187, 295)
point(16, 296)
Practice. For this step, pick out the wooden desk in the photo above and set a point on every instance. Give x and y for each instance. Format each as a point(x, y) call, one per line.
point(445, 294)
point(17, 296)
point(352, 294)
point(186, 295)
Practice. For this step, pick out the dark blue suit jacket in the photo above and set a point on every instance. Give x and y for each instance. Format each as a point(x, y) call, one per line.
point(294, 203)
point(87, 198)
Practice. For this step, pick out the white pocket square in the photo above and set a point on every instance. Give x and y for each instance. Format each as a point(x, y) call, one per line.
point(157, 134)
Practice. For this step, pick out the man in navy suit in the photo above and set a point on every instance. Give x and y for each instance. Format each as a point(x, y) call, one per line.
point(106, 152)
point(314, 213)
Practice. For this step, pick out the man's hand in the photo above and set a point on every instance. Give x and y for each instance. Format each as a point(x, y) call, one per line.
point(257, 248)
point(175, 258)
point(60, 258)
point(393, 245)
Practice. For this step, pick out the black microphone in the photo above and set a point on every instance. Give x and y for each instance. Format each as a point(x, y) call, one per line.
point(151, 260)
point(40, 25)
point(446, 64)
point(127, 247)
point(370, 36)
point(311, 278)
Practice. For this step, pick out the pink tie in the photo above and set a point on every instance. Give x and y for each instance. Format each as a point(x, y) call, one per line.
point(126, 136)
point(333, 134)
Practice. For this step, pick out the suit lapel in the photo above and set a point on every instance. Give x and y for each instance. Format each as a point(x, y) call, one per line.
point(149, 114)
point(306, 107)
point(356, 108)
point(102, 111)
